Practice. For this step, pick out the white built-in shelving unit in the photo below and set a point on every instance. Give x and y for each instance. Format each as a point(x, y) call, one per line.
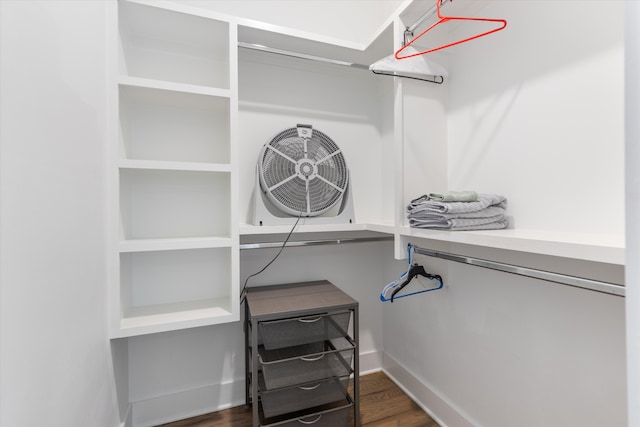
point(177, 262)
point(185, 172)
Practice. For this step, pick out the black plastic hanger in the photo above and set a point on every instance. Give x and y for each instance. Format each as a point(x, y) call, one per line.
point(416, 270)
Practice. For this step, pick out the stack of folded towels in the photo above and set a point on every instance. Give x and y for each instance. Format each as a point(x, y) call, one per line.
point(458, 210)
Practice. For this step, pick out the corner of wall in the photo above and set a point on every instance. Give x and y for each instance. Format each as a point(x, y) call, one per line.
point(445, 413)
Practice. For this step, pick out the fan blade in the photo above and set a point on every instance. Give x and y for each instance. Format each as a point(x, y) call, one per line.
point(328, 157)
point(284, 181)
point(281, 154)
point(308, 198)
point(320, 177)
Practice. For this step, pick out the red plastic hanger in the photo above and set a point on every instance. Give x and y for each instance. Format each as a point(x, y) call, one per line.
point(442, 20)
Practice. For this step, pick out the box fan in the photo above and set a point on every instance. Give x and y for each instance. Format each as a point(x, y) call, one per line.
point(301, 172)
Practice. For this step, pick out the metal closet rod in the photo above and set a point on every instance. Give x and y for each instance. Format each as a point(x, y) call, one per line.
point(262, 48)
point(263, 245)
point(427, 15)
point(578, 282)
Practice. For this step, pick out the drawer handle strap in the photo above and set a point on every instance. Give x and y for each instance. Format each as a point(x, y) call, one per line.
point(310, 422)
point(307, 388)
point(312, 359)
point(312, 320)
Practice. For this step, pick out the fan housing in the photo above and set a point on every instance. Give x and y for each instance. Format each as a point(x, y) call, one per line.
point(302, 172)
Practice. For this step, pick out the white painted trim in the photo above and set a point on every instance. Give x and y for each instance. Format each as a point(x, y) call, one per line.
point(188, 403)
point(370, 362)
point(111, 156)
point(441, 409)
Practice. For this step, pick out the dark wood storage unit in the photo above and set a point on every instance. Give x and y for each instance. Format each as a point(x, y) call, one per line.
point(300, 355)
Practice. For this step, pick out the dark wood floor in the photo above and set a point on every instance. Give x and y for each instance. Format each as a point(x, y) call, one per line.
point(382, 404)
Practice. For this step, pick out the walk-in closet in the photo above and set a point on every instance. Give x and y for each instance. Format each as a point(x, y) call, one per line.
point(261, 205)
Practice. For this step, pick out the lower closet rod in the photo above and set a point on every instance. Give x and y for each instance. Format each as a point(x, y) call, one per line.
point(578, 282)
point(244, 246)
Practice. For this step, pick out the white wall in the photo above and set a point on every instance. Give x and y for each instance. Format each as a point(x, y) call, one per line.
point(536, 113)
point(529, 115)
point(55, 355)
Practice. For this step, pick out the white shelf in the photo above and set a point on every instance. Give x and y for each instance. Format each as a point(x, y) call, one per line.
point(162, 44)
point(248, 229)
point(165, 125)
point(147, 245)
point(146, 83)
point(169, 317)
point(174, 204)
point(169, 288)
point(606, 248)
point(382, 228)
point(174, 166)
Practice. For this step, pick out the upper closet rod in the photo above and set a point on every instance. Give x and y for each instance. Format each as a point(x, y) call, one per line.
point(301, 55)
point(408, 32)
point(579, 282)
point(438, 79)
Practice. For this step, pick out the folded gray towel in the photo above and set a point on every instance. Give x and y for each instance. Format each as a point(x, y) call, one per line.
point(484, 201)
point(454, 196)
point(489, 212)
point(461, 224)
point(448, 196)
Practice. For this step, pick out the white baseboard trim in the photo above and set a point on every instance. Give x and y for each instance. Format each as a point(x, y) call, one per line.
point(188, 403)
point(370, 362)
point(194, 402)
point(444, 412)
point(127, 420)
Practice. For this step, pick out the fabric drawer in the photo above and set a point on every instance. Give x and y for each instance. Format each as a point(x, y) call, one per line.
point(307, 396)
point(303, 330)
point(306, 363)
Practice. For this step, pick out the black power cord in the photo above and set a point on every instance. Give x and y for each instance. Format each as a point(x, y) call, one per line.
point(243, 294)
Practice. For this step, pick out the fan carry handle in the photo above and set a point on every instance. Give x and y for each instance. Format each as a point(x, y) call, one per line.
point(304, 131)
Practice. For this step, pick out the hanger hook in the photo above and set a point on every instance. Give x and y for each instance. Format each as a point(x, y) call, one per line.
point(408, 35)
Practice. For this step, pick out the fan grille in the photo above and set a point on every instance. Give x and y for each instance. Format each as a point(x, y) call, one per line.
point(303, 175)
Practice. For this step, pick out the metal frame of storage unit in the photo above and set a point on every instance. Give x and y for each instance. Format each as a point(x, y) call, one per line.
point(299, 355)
